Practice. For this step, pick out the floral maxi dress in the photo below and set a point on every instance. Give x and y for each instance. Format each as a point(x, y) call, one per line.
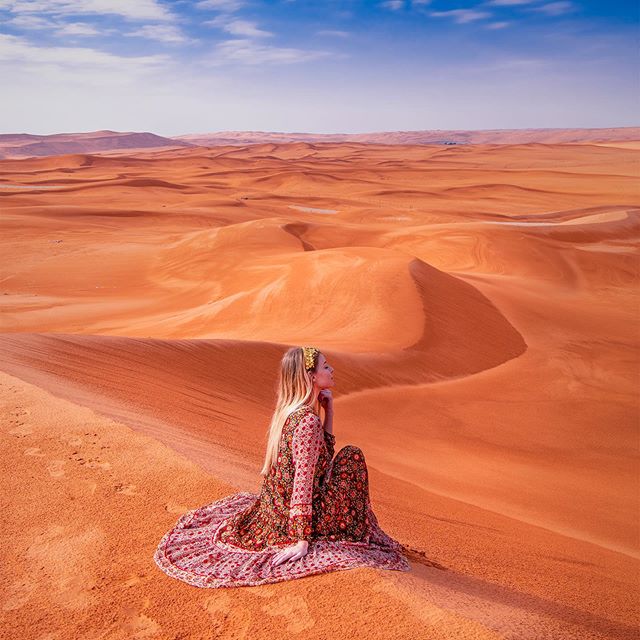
point(308, 494)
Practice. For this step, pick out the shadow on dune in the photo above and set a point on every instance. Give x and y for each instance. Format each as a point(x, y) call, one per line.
point(503, 609)
point(211, 399)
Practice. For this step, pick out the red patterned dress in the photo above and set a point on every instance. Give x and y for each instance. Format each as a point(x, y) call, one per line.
point(308, 494)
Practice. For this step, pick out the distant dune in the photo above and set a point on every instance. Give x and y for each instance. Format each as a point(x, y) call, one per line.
point(23, 145)
point(431, 136)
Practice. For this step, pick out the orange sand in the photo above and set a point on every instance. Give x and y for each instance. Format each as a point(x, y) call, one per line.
point(480, 307)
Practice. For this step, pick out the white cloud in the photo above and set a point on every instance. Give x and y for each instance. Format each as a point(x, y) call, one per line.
point(130, 10)
point(31, 22)
point(227, 6)
point(394, 5)
point(497, 25)
point(58, 27)
point(160, 32)
point(461, 16)
point(507, 3)
point(249, 52)
point(555, 8)
point(333, 32)
point(76, 29)
point(238, 27)
point(245, 28)
point(550, 8)
point(20, 59)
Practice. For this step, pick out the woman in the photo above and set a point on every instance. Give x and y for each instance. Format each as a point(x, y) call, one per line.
point(313, 514)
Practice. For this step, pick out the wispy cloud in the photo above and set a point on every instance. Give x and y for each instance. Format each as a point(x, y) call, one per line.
point(461, 16)
point(30, 22)
point(249, 52)
point(555, 8)
point(57, 26)
point(130, 10)
point(161, 33)
point(497, 25)
point(77, 29)
point(394, 5)
point(333, 32)
point(78, 64)
point(238, 27)
point(226, 6)
point(507, 3)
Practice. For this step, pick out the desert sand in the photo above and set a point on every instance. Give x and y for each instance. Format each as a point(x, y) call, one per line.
point(25, 145)
point(479, 304)
point(429, 136)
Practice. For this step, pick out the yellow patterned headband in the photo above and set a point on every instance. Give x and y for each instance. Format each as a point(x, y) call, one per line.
point(310, 357)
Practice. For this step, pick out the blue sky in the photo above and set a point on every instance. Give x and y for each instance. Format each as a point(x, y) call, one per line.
point(190, 66)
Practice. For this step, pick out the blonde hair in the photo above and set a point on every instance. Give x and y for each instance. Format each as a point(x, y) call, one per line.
point(295, 388)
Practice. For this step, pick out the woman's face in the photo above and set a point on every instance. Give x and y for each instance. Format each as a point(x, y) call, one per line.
point(323, 374)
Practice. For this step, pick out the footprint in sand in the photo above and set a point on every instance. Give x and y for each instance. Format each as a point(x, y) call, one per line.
point(91, 463)
point(58, 556)
point(33, 451)
point(17, 417)
point(18, 595)
point(138, 625)
point(55, 468)
point(174, 507)
point(86, 484)
point(71, 440)
point(133, 580)
point(96, 464)
point(127, 489)
point(219, 603)
point(227, 621)
point(20, 431)
point(294, 610)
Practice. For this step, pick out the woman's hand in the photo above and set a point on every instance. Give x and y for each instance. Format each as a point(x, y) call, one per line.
point(326, 400)
point(294, 552)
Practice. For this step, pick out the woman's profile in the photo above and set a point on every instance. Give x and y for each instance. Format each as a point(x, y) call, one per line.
point(313, 513)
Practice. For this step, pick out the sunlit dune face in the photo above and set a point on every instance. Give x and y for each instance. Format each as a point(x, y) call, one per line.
point(323, 373)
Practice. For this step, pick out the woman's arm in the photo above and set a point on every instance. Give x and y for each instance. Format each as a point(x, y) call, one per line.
point(305, 447)
point(329, 438)
point(328, 421)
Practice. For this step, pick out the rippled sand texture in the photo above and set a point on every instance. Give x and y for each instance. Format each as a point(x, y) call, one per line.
point(479, 304)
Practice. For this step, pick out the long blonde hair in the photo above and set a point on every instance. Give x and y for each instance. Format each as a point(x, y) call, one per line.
point(295, 388)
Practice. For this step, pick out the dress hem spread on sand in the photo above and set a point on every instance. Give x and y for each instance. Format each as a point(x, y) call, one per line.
point(193, 551)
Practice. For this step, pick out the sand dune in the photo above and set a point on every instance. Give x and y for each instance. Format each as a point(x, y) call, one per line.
point(18, 145)
point(480, 307)
point(295, 145)
point(437, 136)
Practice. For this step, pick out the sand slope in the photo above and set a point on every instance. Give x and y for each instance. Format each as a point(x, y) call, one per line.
point(480, 307)
point(100, 495)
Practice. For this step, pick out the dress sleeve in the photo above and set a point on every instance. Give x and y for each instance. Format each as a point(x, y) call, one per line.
point(330, 441)
point(305, 446)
